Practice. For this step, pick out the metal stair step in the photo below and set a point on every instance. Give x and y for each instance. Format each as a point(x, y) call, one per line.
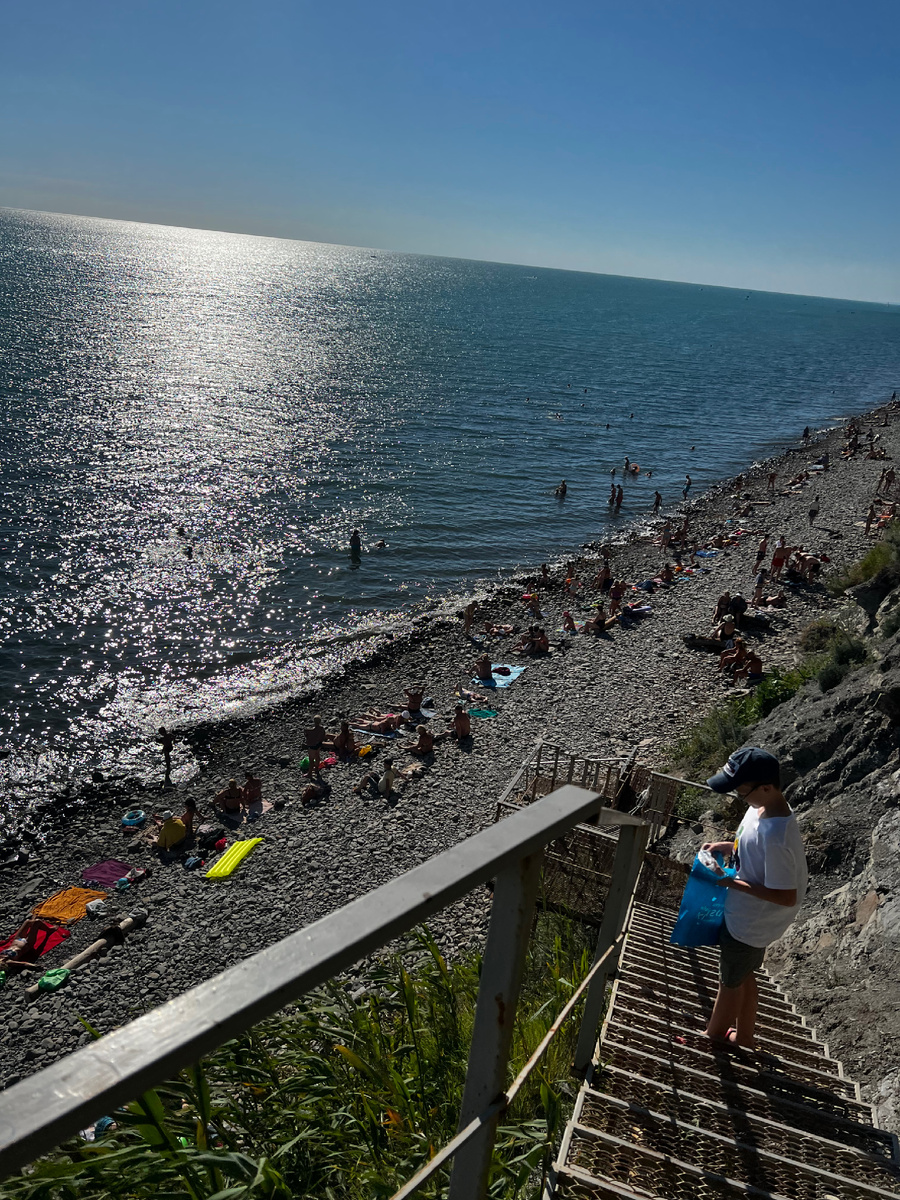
point(730, 1060)
point(725, 1142)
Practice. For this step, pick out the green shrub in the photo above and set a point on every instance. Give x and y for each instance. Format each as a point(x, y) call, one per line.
point(831, 675)
point(891, 623)
point(818, 636)
point(849, 650)
point(883, 556)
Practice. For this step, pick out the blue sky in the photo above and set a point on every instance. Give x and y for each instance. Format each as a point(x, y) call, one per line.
point(719, 142)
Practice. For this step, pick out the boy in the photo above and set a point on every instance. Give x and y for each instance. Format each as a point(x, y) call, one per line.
point(765, 894)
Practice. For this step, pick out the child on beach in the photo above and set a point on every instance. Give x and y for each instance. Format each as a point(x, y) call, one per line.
point(765, 894)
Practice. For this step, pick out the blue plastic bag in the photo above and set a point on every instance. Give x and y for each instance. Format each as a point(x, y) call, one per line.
point(702, 912)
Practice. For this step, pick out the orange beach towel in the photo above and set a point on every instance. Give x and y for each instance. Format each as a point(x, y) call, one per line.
point(68, 905)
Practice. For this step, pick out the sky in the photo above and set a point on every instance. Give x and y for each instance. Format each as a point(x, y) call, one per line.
point(750, 145)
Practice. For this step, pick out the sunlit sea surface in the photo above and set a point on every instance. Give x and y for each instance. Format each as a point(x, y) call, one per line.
point(194, 423)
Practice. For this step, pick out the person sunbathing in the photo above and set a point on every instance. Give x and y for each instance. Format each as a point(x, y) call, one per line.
point(725, 631)
point(373, 722)
point(596, 623)
point(424, 743)
point(414, 694)
point(730, 659)
point(384, 783)
point(251, 796)
point(495, 630)
point(343, 743)
point(23, 950)
point(750, 669)
point(172, 833)
point(460, 726)
point(316, 789)
point(482, 668)
point(667, 574)
point(470, 697)
point(533, 602)
point(569, 623)
point(721, 606)
point(777, 601)
point(229, 800)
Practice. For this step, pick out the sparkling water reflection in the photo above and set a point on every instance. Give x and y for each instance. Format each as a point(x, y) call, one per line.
point(194, 423)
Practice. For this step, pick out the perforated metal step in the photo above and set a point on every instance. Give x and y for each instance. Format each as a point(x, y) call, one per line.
point(665, 1114)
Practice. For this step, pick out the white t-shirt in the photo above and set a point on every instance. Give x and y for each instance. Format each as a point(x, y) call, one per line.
point(771, 853)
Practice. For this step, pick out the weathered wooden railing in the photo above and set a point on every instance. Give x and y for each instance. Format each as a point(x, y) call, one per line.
point(45, 1109)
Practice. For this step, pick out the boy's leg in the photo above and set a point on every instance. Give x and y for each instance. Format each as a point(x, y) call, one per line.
point(725, 1012)
point(745, 1025)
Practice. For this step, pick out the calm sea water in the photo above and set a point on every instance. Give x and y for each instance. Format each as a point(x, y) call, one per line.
point(194, 422)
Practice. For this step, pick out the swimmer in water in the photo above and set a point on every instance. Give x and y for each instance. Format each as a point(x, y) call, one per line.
point(381, 544)
point(561, 490)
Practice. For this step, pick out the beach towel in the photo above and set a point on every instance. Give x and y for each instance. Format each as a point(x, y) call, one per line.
point(106, 873)
point(483, 714)
point(68, 905)
point(44, 941)
point(501, 681)
point(705, 553)
point(232, 858)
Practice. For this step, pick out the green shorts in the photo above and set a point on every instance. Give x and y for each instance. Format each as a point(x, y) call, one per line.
point(737, 959)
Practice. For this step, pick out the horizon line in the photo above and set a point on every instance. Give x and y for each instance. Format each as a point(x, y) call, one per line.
point(455, 257)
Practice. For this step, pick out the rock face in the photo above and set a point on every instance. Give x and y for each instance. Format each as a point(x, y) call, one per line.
point(840, 961)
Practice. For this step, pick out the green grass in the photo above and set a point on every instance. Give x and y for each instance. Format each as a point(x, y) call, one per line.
point(883, 555)
point(339, 1098)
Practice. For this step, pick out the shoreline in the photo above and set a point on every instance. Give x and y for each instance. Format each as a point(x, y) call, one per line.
point(64, 764)
point(638, 687)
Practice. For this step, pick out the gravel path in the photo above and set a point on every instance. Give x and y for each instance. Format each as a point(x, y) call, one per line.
point(638, 686)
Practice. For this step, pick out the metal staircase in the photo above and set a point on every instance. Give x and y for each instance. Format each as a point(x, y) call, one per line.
point(665, 1114)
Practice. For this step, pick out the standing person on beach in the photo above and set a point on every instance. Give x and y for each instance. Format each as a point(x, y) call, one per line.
point(657, 501)
point(814, 511)
point(761, 551)
point(469, 616)
point(688, 482)
point(870, 517)
point(773, 475)
point(765, 894)
point(166, 740)
point(315, 736)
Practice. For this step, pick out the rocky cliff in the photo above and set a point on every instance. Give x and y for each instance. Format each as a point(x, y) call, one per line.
point(840, 961)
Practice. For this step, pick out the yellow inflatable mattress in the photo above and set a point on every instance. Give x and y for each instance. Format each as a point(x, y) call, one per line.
point(232, 858)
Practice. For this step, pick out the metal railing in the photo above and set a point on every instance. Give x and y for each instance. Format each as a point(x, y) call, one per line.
point(40, 1112)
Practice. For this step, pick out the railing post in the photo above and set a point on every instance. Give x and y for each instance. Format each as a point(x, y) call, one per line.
point(626, 867)
point(515, 892)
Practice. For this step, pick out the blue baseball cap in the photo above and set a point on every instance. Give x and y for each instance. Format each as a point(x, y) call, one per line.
point(747, 766)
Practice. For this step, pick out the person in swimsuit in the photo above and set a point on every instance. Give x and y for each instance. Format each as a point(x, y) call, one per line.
point(343, 743)
point(780, 555)
point(460, 726)
point(373, 722)
point(482, 668)
point(315, 736)
point(251, 796)
point(22, 950)
point(166, 740)
point(424, 743)
point(229, 801)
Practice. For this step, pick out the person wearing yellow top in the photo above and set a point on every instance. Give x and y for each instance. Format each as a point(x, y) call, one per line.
point(172, 832)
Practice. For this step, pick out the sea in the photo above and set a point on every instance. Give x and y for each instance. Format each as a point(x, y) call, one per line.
point(193, 424)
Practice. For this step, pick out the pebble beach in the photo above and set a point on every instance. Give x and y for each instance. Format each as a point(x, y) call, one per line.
point(637, 687)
